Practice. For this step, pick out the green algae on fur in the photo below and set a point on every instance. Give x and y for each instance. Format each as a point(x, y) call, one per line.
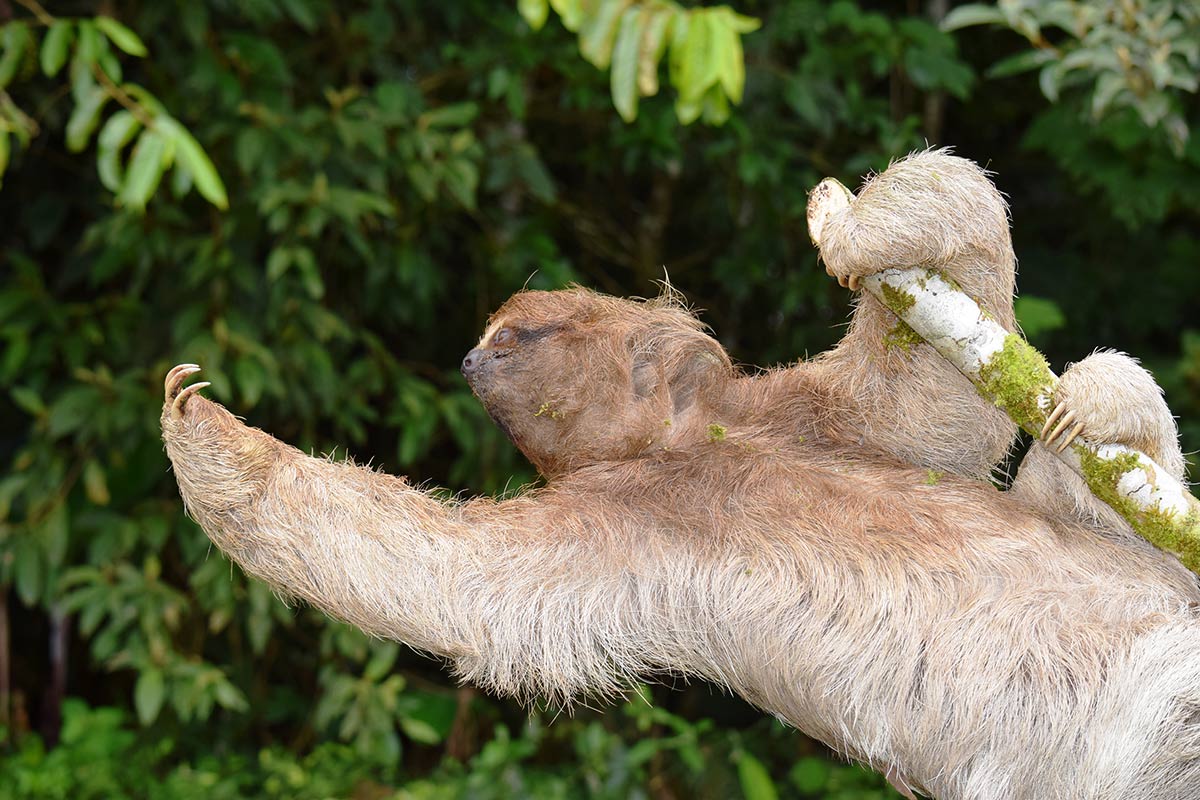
point(547, 410)
point(1014, 378)
point(716, 433)
point(1163, 529)
point(933, 477)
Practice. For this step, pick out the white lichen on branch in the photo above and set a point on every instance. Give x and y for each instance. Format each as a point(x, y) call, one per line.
point(1016, 377)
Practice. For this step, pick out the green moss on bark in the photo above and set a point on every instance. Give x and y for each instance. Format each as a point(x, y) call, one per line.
point(897, 300)
point(1014, 379)
point(1177, 535)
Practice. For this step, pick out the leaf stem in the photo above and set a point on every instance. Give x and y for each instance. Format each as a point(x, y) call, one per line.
point(35, 8)
point(121, 96)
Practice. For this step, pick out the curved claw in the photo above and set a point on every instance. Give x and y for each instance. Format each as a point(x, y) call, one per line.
point(1078, 429)
point(182, 398)
point(853, 283)
point(1064, 423)
point(1050, 420)
point(176, 377)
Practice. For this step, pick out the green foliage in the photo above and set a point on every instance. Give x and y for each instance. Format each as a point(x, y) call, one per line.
point(703, 47)
point(95, 77)
point(101, 756)
point(1142, 55)
point(1038, 316)
point(393, 170)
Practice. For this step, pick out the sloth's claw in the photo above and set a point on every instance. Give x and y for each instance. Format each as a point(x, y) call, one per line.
point(176, 377)
point(1059, 423)
point(1078, 429)
point(1064, 424)
point(182, 398)
point(1050, 420)
point(176, 394)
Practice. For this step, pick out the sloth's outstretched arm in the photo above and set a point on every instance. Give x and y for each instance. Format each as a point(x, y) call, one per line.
point(525, 596)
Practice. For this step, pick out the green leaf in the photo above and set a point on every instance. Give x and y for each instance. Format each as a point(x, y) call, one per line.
point(1038, 315)
point(4, 153)
point(95, 485)
point(680, 24)
point(728, 56)
point(84, 118)
point(740, 22)
point(29, 400)
point(27, 570)
point(192, 157)
point(461, 179)
point(310, 274)
point(121, 36)
point(699, 68)
point(55, 46)
point(1021, 62)
point(55, 532)
point(91, 44)
point(71, 410)
point(456, 115)
point(974, 14)
point(810, 775)
point(598, 31)
point(420, 731)
point(1108, 86)
point(251, 380)
point(755, 780)
point(230, 697)
point(1048, 81)
point(623, 77)
point(534, 12)
point(15, 40)
point(148, 695)
point(570, 12)
point(146, 167)
point(116, 133)
point(654, 44)
point(278, 262)
point(302, 14)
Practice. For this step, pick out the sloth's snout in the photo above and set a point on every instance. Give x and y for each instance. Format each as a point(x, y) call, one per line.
point(470, 364)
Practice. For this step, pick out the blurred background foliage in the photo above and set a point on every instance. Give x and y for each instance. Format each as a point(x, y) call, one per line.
point(392, 171)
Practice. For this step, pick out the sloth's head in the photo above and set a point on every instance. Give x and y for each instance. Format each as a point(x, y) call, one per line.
point(574, 377)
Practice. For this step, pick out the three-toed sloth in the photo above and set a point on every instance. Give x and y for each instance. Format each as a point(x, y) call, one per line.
point(775, 532)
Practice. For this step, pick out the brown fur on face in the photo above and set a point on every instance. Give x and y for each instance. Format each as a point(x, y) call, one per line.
point(575, 377)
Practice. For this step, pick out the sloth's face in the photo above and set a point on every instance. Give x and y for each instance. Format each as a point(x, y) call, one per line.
point(559, 373)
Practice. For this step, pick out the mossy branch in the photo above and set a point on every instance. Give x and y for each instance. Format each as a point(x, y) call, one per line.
point(1016, 377)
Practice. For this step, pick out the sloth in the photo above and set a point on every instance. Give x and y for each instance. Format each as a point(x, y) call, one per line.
point(767, 532)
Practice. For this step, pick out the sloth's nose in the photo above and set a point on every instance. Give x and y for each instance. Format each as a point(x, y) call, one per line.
point(471, 362)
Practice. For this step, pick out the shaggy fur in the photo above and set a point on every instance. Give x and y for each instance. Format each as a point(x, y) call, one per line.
point(768, 539)
point(940, 212)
